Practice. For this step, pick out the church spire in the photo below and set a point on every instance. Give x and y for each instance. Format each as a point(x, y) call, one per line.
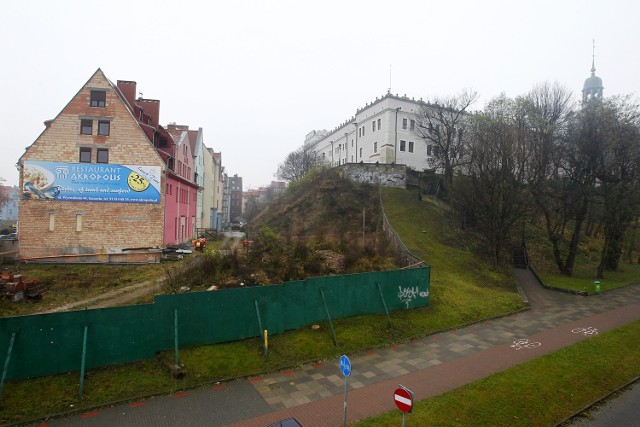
point(592, 88)
point(593, 58)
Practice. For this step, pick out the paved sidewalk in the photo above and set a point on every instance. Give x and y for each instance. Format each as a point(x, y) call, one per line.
point(314, 394)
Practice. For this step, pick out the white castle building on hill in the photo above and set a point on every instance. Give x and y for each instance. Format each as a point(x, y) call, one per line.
point(381, 132)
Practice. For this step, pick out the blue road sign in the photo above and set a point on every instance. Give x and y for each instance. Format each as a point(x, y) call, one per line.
point(345, 365)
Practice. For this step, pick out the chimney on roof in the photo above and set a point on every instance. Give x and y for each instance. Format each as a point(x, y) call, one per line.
point(152, 108)
point(47, 123)
point(128, 90)
point(174, 126)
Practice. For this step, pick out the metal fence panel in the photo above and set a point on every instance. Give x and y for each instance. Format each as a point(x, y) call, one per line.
point(51, 343)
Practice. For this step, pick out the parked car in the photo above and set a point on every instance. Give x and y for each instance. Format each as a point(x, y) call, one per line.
point(289, 422)
point(236, 225)
point(11, 236)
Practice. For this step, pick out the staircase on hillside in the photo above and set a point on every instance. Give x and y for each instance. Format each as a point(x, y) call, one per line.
point(519, 256)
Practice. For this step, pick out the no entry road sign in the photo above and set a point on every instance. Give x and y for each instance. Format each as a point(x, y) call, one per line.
point(403, 399)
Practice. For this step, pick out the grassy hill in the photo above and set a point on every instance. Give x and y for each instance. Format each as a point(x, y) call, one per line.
point(463, 283)
point(321, 205)
point(324, 224)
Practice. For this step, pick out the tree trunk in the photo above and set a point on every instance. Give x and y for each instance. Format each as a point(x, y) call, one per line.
point(575, 237)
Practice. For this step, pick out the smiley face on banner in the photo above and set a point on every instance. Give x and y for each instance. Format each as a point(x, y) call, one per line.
point(137, 182)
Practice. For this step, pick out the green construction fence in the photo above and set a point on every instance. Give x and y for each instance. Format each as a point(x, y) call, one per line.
point(52, 343)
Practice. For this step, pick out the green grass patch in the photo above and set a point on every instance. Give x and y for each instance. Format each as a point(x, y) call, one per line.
point(583, 278)
point(541, 392)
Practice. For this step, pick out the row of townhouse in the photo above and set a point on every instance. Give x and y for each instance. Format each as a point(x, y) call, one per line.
point(105, 181)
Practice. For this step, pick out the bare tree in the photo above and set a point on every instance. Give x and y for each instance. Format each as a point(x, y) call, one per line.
point(297, 164)
point(442, 123)
point(544, 115)
point(618, 174)
point(4, 195)
point(493, 189)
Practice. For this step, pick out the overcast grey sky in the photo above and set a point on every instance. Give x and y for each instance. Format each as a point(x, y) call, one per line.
point(257, 76)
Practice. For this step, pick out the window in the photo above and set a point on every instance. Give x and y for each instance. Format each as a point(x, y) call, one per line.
point(375, 147)
point(429, 150)
point(85, 155)
point(86, 127)
point(103, 128)
point(170, 163)
point(78, 222)
point(412, 125)
point(352, 143)
point(362, 130)
point(360, 152)
point(103, 155)
point(52, 221)
point(404, 123)
point(98, 98)
point(379, 123)
point(402, 145)
point(373, 126)
point(163, 141)
point(411, 146)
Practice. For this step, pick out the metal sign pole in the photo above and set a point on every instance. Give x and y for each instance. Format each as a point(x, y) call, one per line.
point(404, 414)
point(345, 367)
point(345, 401)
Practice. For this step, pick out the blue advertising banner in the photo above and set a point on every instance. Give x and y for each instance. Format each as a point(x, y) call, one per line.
point(90, 182)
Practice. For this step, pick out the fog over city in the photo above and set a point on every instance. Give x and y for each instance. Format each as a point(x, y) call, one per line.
point(258, 76)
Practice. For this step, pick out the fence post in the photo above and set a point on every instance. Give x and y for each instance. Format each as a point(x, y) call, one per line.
point(260, 334)
point(175, 334)
point(326, 309)
point(6, 362)
point(83, 364)
point(384, 303)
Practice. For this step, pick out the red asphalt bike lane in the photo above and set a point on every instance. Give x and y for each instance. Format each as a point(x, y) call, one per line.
point(378, 398)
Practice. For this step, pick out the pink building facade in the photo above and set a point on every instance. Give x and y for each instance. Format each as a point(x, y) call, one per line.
point(176, 150)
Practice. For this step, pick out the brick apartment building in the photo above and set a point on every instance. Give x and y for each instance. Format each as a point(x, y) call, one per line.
point(93, 185)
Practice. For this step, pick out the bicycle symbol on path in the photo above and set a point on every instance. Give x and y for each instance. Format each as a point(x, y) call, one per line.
point(525, 343)
point(585, 331)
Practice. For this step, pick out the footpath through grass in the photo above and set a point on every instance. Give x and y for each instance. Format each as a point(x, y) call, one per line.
point(541, 392)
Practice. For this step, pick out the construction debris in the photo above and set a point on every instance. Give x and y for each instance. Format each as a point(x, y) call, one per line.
point(15, 287)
